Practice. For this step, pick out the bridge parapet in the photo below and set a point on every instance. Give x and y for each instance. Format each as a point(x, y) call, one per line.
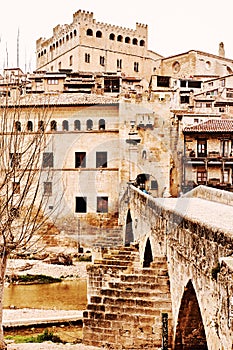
point(195, 233)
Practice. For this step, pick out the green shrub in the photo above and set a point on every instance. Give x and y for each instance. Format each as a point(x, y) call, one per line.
point(40, 338)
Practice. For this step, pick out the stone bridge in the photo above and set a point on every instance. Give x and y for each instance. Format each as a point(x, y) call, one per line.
point(194, 236)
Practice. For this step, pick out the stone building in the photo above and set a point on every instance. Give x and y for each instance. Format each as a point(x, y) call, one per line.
point(86, 45)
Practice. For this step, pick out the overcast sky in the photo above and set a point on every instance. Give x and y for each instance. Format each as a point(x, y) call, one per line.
point(174, 26)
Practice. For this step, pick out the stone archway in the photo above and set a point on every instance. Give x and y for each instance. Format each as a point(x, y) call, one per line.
point(190, 332)
point(148, 257)
point(129, 236)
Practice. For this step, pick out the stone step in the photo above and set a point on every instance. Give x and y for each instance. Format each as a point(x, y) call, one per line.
point(164, 304)
point(150, 272)
point(111, 262)
point(140, 286)
point(144, 279)
point(146, 294)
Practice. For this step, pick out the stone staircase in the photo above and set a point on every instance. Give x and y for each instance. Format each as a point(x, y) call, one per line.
point(126, 302)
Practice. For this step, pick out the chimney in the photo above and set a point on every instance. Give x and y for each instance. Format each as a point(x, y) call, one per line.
point(221, 50)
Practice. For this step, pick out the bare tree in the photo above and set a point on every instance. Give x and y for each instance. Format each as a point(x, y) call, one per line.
point(22, 205)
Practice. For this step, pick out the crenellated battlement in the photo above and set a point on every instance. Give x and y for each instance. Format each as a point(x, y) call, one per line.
point(83, 15)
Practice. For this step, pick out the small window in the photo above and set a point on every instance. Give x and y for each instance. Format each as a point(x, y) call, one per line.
point(16, 187)
point(120, 38)
point(41, 125)
point(101, 160)
point(102, 204)
point(29, 125)
point(127, 40)
point(65, 125)
point(53, 125)
point(101, 124)
point(142, 43)
point(77, 125)
point(17, 126)
point(112, 36)
point(119, 63)
point(89, 124)
point(98, 34)
point(154, 185)
point(135, 41)
point(15, 160)
point(80, 204)
point(80, 159)
point(48, 188)
point(136, 66)
point(87, 57)
point(201, 177)
point(89, 32)
point(102, 60)
point(47, 161)
point(71, 60)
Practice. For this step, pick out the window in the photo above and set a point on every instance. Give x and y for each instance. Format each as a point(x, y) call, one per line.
point(15, 160)
point(142, 42)
point(154, 185)
point(136, 66)
point(47, 161)
point(52, 81)
point(89, 124)
point(59, 65)
point(127, 40)
point(29, 125)
point(98, 34)
point(80, 204)
point(226, 147)
point(87, 57)
point(102, 60)
point(41, 125)
point(89, 32)
point(71, 60)
point(16, 187)
point(101, 159)
point(201, 177)
point(65, 125)
point(17, 126)
point(53, 125)
point(135, 41)
point(80, 159)
point(112, 36)
point(226, 176)
point(48, 188)
point(101, 124)
point(223, 82)
point(184, 99)
point(119, 63)
point(102, 204)
point(77, 125)
point(201, 148)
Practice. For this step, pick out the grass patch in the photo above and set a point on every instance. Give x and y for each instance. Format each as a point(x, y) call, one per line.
point(34, 279)
point(40, 338)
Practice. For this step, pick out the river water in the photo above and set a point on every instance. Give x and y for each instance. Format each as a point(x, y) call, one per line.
point(65, 295)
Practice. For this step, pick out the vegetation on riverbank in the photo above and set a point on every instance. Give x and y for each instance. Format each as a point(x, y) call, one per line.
point(33, 279)
point(40, 338)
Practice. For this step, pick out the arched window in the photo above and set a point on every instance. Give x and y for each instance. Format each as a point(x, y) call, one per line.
point(89, 124)
point(67, 37)
point(135, 41)
point(29, 125)
point(101, 124)
point(60, 42)
point(77, 125)
point(89, 32)
point(112, 36)
point(53, 125)
point(75, 32)
point(65, 125)
point(120, 38)
point(71, 35)
point(71, 60)
point(98, 34)
point(127, 40)
point(17, 126)
point(142, 42)
point(41, 125)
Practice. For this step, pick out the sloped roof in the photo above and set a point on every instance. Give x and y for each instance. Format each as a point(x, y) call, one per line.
point(212, 125)
point(58, 99)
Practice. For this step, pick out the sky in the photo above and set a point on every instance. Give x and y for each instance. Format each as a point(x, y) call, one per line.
point(174, 26)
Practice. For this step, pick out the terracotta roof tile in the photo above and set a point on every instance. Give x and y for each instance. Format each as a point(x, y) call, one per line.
point(212, 125)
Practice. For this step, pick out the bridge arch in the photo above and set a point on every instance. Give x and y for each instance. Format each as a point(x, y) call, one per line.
point(190, 332)
point(129, 236)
